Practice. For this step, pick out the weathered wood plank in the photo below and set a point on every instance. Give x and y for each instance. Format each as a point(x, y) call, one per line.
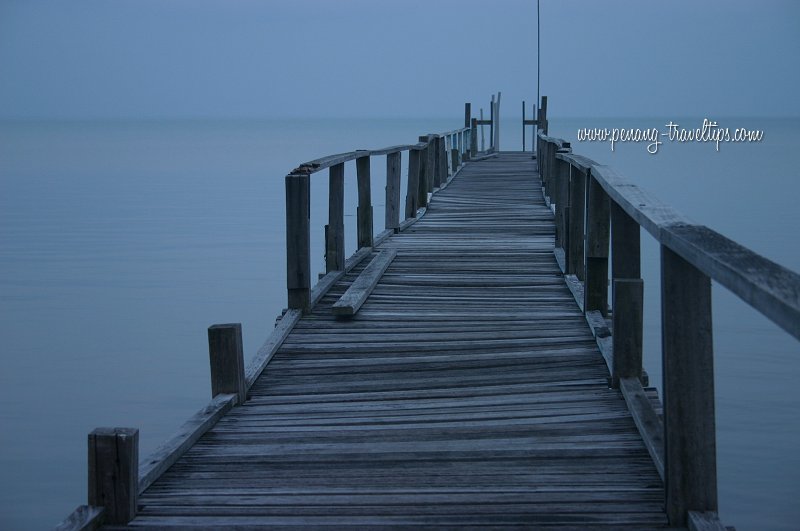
point(364, 209)
point(227, 360)
point(84, 518)
point(298, 241)
point(114, 473)
point(355, 296)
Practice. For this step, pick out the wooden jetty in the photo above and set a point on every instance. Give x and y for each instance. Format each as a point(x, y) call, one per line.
point(463, 368)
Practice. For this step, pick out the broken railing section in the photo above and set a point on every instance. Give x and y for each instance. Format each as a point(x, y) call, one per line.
point(433, 160)
point(116, 477)
point(597, 210)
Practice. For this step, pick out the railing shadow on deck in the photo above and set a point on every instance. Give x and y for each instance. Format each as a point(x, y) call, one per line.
point(116, 476)
point(597, 210)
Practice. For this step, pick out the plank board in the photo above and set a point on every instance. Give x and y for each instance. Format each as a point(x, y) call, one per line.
point(468, 390)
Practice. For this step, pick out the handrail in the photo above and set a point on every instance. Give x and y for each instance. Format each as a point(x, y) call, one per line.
point(597, 210)
point(433, 160)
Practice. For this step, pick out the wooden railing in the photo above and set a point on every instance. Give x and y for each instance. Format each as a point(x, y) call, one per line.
point(116, 476)
point(431, 162)
point(597, 210)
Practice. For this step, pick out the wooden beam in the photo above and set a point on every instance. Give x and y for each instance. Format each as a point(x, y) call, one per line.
point(412, 190)
point(334, 230)
point(577, 196)
point(392, 191)
point(688, 372)
point(364, 209)
point(298, 237)
point(645, 418)
point(227, 360)
point(84, 518)
point(597, 244)
point(355, 296)
point(114, 473)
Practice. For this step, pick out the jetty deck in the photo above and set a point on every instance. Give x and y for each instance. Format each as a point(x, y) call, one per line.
point(468, 390)
point(464, 366)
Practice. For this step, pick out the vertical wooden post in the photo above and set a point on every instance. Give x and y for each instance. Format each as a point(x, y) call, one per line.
point(298, 237)
point(483, 139)
point(454, 159)
point(393, 191)
point(334, 230)
point(543, 115)
point(114, 473)
point(523, 125)
point(577, 195)
point(412, 190)
point(561, 174)
point(442, 151)
point(430, 166)
point(424, 175)
point(227, 360)
point(497, 122)
point(437, 163)
point(491, 123)
point(595, 290)
point(364, 211)
point(473, 138)
point(688, 371)
point(627, 296)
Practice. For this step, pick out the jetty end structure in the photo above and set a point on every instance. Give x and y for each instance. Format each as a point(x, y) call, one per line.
point(465, 367)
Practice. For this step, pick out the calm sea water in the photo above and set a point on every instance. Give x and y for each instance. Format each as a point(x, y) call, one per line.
point(121, 242)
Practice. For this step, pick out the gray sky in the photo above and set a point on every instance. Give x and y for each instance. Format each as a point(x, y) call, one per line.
point(245, 58)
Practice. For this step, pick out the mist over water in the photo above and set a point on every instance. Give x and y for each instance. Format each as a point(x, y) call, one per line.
point(121, 242)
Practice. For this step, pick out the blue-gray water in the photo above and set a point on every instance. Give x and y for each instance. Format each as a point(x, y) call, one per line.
point(120, 242)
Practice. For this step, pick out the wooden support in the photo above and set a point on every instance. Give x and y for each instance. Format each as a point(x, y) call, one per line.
point(483, 138)
point(298, 237)
point(355, 296)
point(114, 473)
point(393, 190)
point(562, 202)
point(364, 212)
point(543, 115)
point(437, 162)
point(497, 122)
point(473, 138)
point(523, 125)
point(688, 372)
point(442, 152)
point(491, 124)
point(454, 159)
point(597, 243)
point(227, 360)
point(422, 182)
point(430, 166)
point(627, 295)
point(334, 230)
point(467, 114)
point(626, 246)
point(412, 186)
point(627, 299)
point(577, 194)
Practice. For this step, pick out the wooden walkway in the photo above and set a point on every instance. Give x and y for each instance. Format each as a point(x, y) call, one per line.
point(467, 391)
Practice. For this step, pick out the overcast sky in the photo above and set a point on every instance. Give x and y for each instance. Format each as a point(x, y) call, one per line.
point(244, 58)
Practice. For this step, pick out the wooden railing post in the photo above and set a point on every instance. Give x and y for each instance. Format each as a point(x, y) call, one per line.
point(454, 159)
point(424, 175)
point(473, 138)
point(543, 115)
point(577, 195)
point(627, 296)
point(437, 162)
point(561, 173)
point(430, 166)
point(595, 292)
point(412, 190)
point(227, 360)
point(298, 236)
point(334, 230)
point(491, 124)
point(364, 212)
point(393, 190)
point(114, 473)
point(688, 372)
point(441, 159)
